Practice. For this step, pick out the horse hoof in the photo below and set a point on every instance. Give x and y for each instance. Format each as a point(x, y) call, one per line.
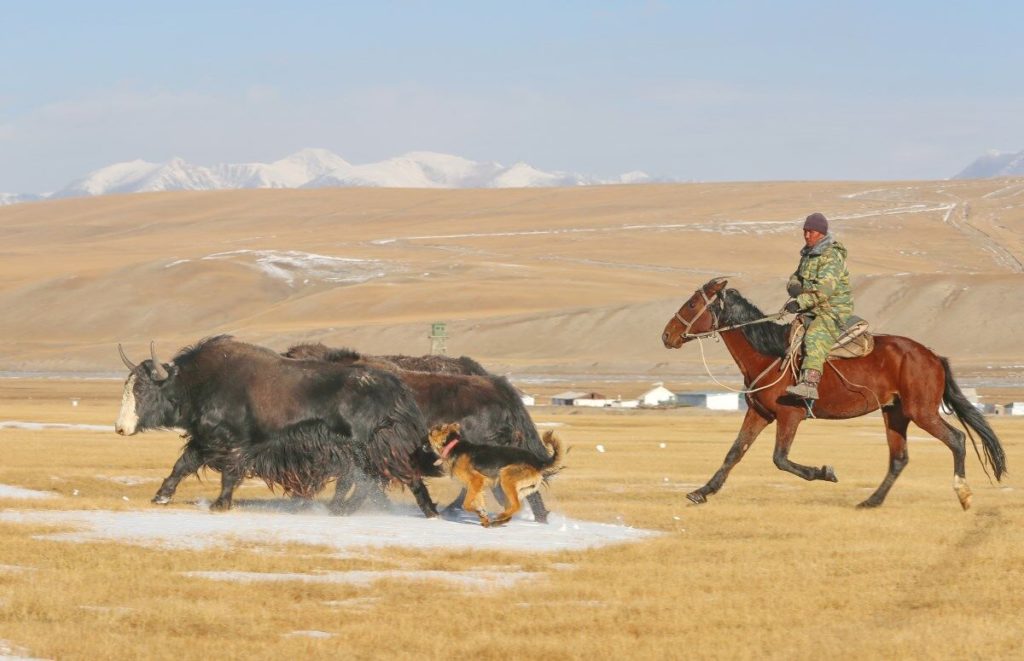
point(696, 497)
point(868, 504)
point(160, 499)
point(963, 492)
point(829, 474)
point(220, 506)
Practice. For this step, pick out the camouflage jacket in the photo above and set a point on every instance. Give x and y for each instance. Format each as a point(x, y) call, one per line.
point(821, 281)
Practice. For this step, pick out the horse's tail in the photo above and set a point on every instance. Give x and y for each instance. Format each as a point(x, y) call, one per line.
point(971, 418)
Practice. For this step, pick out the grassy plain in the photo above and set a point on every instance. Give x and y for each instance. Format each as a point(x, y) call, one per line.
point(562, 288)
point(771, 567)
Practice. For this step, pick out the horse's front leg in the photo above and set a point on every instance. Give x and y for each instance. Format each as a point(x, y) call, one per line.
point(788, 421)
point(753, 424)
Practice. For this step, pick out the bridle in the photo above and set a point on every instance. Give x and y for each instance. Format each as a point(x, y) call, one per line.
point(709, 307)
point(687, 324)
point(709, 302)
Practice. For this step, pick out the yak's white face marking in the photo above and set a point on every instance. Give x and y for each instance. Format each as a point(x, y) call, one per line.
point(128, 419)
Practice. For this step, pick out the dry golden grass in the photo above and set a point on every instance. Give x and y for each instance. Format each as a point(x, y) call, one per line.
point(771, 567)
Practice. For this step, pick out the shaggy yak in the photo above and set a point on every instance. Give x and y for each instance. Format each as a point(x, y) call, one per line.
point(249, 412)
point(487, 407)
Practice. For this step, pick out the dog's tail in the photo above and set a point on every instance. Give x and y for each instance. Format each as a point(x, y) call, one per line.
point(554, 463)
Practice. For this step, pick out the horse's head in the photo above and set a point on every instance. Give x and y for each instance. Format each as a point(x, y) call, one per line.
point(695, 317)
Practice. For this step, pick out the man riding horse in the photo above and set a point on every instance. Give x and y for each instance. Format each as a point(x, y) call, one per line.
point(820, 289)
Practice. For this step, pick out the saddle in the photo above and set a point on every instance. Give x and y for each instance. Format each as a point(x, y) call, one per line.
point(854, 342)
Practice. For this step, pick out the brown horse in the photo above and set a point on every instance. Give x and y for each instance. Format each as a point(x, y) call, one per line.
point(902, 377)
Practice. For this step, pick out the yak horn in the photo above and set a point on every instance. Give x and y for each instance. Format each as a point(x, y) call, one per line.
point(159, 373)
point(129, 364)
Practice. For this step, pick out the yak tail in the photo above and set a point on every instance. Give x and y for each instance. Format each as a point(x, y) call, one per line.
point(554, 463)
point(971, 418)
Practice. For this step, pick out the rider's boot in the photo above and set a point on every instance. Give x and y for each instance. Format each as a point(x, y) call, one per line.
point(808, 386)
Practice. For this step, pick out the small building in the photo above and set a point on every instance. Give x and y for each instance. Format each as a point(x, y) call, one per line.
point(570, 397)
point(528, 400)
point(592, 399)
point(1014, 408)
point(658, 395)
point(714, 401)
point(617, 403)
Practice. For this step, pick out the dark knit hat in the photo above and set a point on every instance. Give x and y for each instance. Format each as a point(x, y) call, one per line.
point(817, 222)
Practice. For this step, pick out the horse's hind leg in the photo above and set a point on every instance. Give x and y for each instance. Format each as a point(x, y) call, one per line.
point(784, 433)
point(896, 434)
point(753, 424)
point(933, 423)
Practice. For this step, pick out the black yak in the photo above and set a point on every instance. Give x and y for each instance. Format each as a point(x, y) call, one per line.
point(247, 411)
point(487, 407)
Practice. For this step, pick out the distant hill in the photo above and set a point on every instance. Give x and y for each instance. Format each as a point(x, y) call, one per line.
point(576, 282)
point(318, 168)
point(994, 164)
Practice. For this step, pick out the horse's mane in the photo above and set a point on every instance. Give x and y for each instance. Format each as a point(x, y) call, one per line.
point(768, 338)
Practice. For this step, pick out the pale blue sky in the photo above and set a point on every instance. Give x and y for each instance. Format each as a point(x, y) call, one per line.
point(692, 90)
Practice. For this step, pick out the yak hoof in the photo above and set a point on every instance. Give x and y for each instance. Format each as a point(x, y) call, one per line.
point(160, 499)
point(829, 474)
point(696, 497)
point(220, 505)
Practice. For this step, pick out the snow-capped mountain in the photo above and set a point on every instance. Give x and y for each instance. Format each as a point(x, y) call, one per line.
point(412, 170)
point(994, 164)
point(320, 168)
point(15, 198)
point(290, 172)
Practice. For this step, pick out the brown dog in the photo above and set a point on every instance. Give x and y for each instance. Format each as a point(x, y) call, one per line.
point(516, 471)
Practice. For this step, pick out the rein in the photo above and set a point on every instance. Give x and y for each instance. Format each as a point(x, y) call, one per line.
point(788, 365)
point(715, 328)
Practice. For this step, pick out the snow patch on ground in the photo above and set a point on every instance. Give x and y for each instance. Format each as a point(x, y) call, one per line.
point(292, 265)
point(7, 491)
point(11, 652)
point(310, 634)
point(43, 426)
point(405, 528)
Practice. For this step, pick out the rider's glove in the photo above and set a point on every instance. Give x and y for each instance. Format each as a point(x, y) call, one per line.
point(794, 287)
point(792, 306)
